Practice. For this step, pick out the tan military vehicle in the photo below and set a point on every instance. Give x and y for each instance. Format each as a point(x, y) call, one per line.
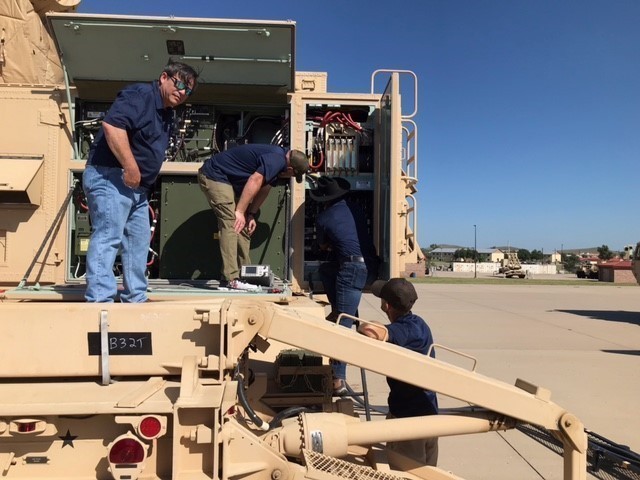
point(511, 266)
point(206, 384)
point(587, 269)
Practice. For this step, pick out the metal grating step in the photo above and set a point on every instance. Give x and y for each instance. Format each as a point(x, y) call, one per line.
point(319, 466)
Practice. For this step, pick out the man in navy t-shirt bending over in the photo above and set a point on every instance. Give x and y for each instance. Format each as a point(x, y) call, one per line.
point(236, 182)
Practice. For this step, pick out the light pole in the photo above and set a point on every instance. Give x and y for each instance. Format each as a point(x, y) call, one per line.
point(475, 251)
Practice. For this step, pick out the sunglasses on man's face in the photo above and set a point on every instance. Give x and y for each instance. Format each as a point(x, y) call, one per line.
point(180, 85)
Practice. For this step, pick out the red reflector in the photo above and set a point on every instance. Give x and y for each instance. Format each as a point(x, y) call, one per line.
point(26, 427)
point(150, 427)
point(126, 450)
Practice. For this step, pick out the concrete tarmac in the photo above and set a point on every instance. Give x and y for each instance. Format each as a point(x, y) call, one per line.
point(580, 342)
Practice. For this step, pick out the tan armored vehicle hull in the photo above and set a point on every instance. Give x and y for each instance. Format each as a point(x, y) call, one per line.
point(178, 385)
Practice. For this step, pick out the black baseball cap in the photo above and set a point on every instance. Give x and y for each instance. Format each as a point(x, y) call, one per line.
point(397, 292)
point(330, 188)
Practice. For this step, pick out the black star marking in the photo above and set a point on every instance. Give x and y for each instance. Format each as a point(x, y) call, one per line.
point(68, 439)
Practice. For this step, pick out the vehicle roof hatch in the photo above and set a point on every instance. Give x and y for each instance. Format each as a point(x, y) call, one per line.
point(131, 49)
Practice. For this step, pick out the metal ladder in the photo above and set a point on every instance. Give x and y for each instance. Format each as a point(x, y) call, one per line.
point(409, 159)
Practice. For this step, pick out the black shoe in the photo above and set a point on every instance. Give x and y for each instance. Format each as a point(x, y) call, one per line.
point(332, 317)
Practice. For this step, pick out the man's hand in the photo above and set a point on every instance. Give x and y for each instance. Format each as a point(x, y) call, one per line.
point(131, 176)
point(251, 224)
point(374, 330)
point(240, 222)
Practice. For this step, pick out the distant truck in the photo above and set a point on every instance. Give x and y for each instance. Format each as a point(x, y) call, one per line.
point(511, 267)
point(587, 270)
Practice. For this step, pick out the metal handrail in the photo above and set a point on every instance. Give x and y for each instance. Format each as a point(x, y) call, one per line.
point(409, 172)
point(415, 87)
point(412, 139)
point(412, 215)
point(457, 352)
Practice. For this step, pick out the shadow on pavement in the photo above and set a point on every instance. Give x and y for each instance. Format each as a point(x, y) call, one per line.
point(608, 315)
point(624, 352)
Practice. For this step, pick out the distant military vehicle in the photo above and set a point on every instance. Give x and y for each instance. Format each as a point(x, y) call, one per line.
point(587, 269)
point(510, 266)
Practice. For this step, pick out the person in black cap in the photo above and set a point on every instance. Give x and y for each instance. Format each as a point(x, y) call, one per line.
point(341, 227)
point(236, 182)
point(409, 331)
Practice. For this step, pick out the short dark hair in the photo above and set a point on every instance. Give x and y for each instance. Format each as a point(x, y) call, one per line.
point(299, 162)
point(186, 72)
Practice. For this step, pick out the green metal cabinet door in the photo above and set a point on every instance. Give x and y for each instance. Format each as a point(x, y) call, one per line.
point(189, 246)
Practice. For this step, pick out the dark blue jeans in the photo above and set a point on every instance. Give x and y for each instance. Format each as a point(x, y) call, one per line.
point(343, 285)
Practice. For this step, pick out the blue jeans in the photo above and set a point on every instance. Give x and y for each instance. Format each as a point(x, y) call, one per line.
point(344, 290)
point(119, 222)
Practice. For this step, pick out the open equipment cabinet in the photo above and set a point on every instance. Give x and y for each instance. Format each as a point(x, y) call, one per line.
point(248, 92)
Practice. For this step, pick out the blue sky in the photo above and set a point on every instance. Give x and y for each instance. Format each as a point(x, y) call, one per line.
point(528, 110)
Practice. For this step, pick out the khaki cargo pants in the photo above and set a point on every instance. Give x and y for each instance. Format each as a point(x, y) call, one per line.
point(234, 248)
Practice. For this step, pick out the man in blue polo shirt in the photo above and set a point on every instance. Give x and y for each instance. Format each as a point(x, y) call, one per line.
point(342, 228)
point(236, 183)
point(124, 161)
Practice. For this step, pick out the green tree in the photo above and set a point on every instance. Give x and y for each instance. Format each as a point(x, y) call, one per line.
point(604, 253)
point(536, 255)
point(467, 253)
point(569, 260)
point(524, 255)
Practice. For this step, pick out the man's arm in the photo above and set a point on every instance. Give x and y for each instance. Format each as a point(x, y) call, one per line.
point(118, 142)
point(257, 202)
point(259, 199)
point(249, 192)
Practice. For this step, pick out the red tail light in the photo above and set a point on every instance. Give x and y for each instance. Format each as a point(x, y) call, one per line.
point(127, 451)
point(26, 427)
point(150, 427)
